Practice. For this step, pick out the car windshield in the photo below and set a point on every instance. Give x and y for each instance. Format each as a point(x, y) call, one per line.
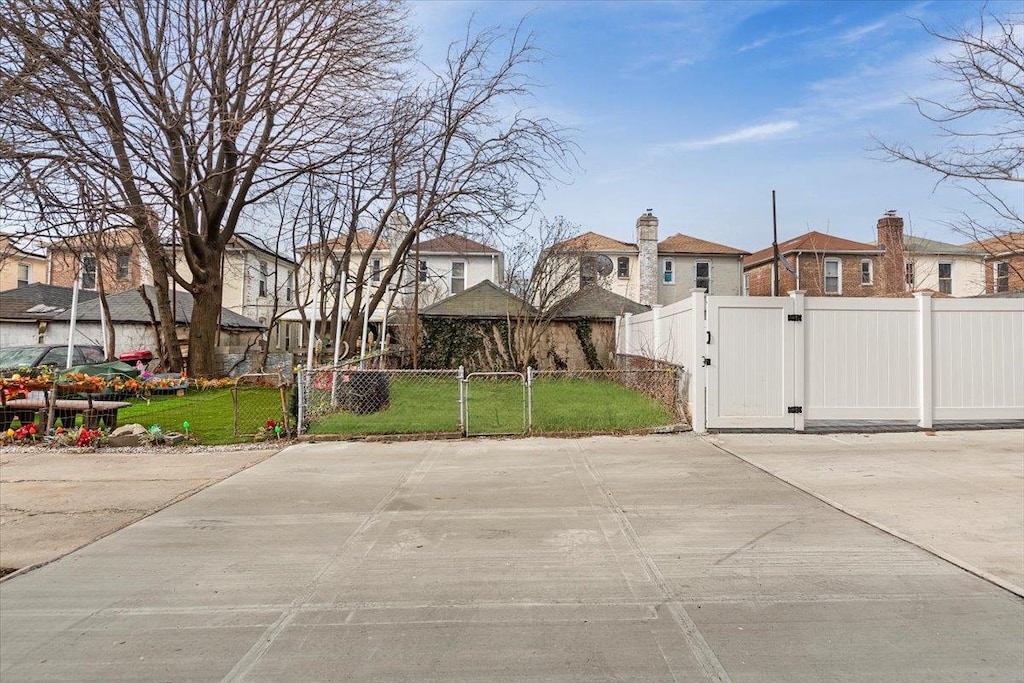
point(19, 356)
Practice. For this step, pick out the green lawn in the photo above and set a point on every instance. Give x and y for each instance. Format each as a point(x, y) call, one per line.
point(210, 413)
point(421, 405)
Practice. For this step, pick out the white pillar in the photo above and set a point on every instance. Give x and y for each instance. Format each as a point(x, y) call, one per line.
point(698, 372)
point(314, 294)
point(74, 314)
point(799, 364)
point(656, 326)
point(627, 335)
point(924, 359)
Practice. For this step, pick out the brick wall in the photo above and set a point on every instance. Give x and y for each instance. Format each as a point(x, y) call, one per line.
point(812, 277)
point(1016, 275)
point(65, 263)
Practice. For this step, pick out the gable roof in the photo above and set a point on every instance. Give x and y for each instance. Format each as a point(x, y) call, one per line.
point(483, 300)
point(999, 245)
point(256, 244)
point(593, 301)
point(455, 244)
point(591, 241)
point(920, 245)
point(362, 242)
point(814, 242)
point(38, 301)
point(129, 307)
point(686, 244)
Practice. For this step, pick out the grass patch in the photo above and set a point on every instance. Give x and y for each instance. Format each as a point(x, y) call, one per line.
point(210, 413)
point(423, 405)
point(417, 405)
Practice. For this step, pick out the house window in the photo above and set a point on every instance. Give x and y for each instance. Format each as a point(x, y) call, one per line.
point(866, 274)
point(88, 272)
point(264, 272)
point(375, 273)
point(623, 266)
point(123, 262)
point(422, 270)
point(702, 275)
point(909, 271)
point(458, 283)
point(24, 272)
point(288, 298)
point(668, 274)
point(946, 278)
point(833, 276)
point(1002, 276)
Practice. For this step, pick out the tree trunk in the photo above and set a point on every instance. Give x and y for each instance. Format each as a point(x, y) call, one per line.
point(147, 225)
point(202, 334)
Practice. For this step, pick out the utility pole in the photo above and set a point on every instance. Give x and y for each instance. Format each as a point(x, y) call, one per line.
point(416, 280)
point(775, 247)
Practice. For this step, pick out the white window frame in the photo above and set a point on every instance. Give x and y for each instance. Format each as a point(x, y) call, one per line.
point(95, 266)
point(27, 280)
point(1005, 277)
point(452, 278)
point(910, 274)
point(127, 255)
point(950, 278)
point(422, 270)
point(264, 268)
point(668, 271)
point(871, 272)
point(696, 277)
point(618, 267)
point(838, 277)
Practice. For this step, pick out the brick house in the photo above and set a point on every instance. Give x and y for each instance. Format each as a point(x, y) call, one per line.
point(1003, 256)
point(652, 272)
point(115, 252)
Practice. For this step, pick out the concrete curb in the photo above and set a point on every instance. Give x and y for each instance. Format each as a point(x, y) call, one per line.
point(976, 571)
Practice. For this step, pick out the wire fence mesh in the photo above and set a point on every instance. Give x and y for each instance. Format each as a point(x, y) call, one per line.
point(345, 399)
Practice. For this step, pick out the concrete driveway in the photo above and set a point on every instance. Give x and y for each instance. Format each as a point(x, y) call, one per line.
point(641, 559)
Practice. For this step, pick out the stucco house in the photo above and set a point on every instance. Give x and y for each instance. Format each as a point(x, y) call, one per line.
point(22, 262)
point(941, 267)
point(652, 272)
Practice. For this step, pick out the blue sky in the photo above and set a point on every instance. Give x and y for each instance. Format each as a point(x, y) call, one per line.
point(698, 110)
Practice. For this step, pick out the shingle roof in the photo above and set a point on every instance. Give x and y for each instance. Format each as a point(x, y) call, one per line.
point(38, 301)
point(685, 244)
point(920, 245)
point(998, 245)
point(455, 244)
point(129, 307)
point(593, 301)
point(591, 241)
point(815, 242)
point(484, 300)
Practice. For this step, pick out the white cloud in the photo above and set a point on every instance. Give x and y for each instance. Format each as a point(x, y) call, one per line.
point(764, 131)
point(855, 34)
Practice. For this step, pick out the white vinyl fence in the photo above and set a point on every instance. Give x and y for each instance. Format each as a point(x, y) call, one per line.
point(775, 362)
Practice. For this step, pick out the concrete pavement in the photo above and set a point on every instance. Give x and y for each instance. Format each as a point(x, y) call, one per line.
point(54, 502)
point(639, 558)
point(958, 494)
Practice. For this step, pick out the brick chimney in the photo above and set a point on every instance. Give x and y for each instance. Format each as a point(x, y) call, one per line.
point(891, 265)
point(647, 266)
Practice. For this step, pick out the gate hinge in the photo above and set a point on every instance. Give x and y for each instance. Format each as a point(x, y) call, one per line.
point(796, 410)
point(795, 318)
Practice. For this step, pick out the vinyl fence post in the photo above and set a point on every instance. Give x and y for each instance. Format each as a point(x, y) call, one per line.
point(529, 398)
point(799, 365)
point(618, 334)
point(627, 335)
point(924, 359)
point(656, 326)
point(698, 375)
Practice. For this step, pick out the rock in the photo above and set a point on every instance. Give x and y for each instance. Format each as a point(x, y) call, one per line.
point(123, 440)
point(173, 438)
point(130, 429)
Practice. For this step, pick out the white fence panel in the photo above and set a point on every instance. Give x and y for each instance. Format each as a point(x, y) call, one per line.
point(978, 352)
point(675, 333)
point(860, 358)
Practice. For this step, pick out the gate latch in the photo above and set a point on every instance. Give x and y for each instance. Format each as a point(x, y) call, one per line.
point(705, 361)
point(795, 410)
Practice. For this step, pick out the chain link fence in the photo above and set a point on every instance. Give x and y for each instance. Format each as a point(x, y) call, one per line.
point(347, 400)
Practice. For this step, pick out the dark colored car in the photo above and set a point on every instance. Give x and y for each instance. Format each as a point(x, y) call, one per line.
point(50, 355)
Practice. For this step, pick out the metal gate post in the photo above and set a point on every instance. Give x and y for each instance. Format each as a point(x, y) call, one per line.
point(529, 399)
point(460, 377)
point(698, 371)
point(300, 422)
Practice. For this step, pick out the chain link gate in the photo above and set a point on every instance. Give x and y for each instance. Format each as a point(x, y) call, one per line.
point(495, 404)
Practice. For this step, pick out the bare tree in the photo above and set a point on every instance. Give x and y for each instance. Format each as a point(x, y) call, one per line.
point(192, 111)
point(981, 127)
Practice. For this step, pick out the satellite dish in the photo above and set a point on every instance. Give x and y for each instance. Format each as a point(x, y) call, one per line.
point(604, 266)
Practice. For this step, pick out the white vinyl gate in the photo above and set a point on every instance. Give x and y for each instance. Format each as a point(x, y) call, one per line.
point(749, 362)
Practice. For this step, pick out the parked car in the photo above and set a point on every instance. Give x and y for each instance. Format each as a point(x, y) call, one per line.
point(51, 356)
